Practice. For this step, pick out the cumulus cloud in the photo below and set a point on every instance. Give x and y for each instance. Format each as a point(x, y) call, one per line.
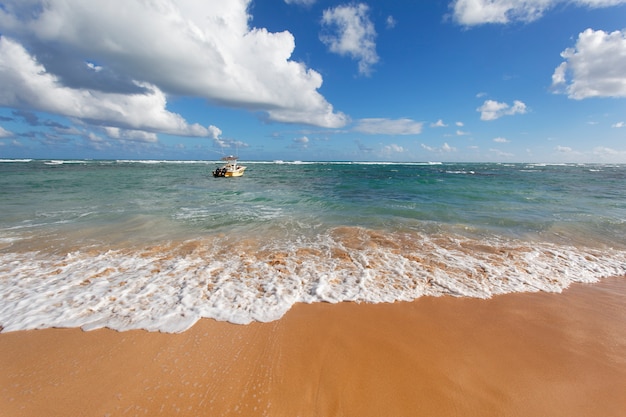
point(594, 67)
point(350, 32)
point(492, 110)
point(477, 12)
point(619, 125)
point(215, 132)
point(501, 140)
point(379, 126)
point(186, 48)
point(27, 85)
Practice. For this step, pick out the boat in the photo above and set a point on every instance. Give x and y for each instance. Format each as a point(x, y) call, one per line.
point(230, 168)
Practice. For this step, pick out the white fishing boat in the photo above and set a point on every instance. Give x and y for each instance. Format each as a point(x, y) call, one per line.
point(230, 168)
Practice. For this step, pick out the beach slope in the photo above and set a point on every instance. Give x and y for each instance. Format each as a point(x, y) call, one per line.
point(513, 355)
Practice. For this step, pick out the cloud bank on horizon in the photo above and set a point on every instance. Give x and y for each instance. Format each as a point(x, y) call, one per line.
point(118, 72)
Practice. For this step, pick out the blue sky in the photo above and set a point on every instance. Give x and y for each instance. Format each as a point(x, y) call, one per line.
point(453, 80)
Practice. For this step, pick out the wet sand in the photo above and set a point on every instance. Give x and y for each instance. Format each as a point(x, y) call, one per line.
point(514, 355)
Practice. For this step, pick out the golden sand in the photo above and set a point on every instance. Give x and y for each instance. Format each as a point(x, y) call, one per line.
point(514, 355)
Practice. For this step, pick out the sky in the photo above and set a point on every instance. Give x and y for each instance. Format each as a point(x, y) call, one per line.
point(314, 80)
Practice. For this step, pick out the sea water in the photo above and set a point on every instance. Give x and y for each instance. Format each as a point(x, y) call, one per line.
point(158, 245)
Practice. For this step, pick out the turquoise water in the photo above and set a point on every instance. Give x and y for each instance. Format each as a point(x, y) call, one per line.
point(157, 245)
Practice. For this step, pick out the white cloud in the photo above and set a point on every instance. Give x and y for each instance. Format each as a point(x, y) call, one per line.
point(448, 148)
point(619, 125)
point(94, 67)
point(97, 142)
point(188, 48)
point(301, 142)
point(378, 126)
point(445, 148)
point(492, 110)
point(461, 133)
point(501, 140)
point(27, 84)
point(349, 31)
point(459, 124)
point(595, 67)
point(131, 135)
point(391, 22)
point(215, 132)
point(439, 123)
point(393, 148)
point(5, 133)
point(94, 138)
point(476, 12)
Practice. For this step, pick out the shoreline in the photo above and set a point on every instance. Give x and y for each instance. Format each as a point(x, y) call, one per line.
point(515, 354)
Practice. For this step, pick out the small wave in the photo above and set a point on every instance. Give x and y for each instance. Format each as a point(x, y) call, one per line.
point(461, 172)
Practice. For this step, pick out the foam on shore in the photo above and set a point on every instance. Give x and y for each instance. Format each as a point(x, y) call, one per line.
point(169, 287)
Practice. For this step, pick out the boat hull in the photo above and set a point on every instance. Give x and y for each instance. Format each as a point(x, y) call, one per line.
point(237, 172)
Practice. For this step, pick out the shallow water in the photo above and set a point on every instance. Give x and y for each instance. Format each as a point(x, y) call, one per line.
point(158, 245)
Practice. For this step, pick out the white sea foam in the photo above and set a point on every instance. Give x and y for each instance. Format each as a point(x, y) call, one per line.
point(460, 172)
point(163, 161)
point(168, 288)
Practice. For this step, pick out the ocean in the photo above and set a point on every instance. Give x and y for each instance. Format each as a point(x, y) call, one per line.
point(157, 245)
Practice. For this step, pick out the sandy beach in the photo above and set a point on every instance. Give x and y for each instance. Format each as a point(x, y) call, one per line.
point(513, 355)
